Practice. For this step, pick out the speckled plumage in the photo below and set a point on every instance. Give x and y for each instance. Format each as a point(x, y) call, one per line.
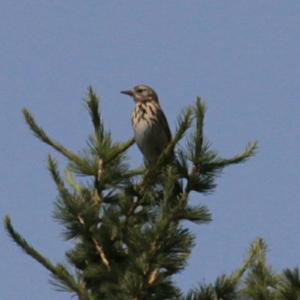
point(150, 126)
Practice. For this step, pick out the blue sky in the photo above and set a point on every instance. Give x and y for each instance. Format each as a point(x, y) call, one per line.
point(242, 57)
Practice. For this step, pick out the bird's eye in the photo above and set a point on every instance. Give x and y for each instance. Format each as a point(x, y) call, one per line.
point(140, 91)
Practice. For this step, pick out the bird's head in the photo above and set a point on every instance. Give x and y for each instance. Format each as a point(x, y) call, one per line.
point(142, 93)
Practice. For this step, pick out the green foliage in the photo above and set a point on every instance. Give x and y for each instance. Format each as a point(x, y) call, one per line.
point(260, 282)
point(126, 224)
point(207, 164)
point(254, 280)
point(289, 285)
point(223, 288)
point(60, 274)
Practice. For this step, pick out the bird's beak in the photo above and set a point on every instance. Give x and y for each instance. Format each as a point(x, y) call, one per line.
point(128, 92)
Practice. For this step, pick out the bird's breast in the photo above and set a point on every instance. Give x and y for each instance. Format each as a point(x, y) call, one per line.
point(142, 124)
point(144, 114)
point(148, 132)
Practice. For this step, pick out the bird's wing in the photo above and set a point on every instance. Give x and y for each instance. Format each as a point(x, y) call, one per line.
point(162, 118)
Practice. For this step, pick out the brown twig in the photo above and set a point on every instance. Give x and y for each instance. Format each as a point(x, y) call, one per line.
point(100, 169)
point(153, 276)
point(102, 254)
point(81, 221)
point(97, 246)
point(98, 194)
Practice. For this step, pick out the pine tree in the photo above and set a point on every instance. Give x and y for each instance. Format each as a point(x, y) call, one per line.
point(126, 223)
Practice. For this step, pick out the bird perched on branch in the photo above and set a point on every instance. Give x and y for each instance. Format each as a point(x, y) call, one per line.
point(149, 123)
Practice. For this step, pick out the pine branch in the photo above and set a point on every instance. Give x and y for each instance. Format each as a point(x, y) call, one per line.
point(289, 285)
point(225, 287)
point(59, 272)
point(206, 163)
point(257, 249)
point(102, 255)
point(222, 289)
point(63, 191)
point(184, 123)
point(92, 102)
point(198, 148)
point(203, 292)
point(197, 214)
point(53, 169)
point(206, 167)
point(73, 210)
point(98, 247)
point(101, 143)
point(261, 282)
point(71, 181)
point(293, 277)
point(86, 165)
point(41, 134)
point(123, 147)
point(199, 112)
point(218, 163)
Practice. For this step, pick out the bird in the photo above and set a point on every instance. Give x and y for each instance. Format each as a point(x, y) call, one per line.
point(150, 126)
